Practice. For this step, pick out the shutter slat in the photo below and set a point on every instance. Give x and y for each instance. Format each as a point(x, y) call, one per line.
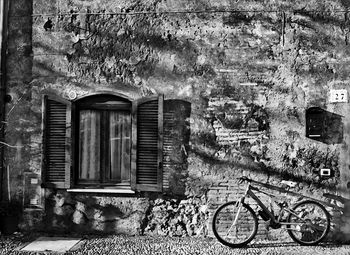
point(56, 135)
point(148, 172)
point(147, 135)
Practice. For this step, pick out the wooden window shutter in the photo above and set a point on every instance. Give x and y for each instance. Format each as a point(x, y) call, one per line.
point(146, 174)
point(57, 142)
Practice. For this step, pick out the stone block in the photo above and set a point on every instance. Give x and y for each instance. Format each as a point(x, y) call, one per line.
point(226, 192)
point(79, 218)
point(218, 188)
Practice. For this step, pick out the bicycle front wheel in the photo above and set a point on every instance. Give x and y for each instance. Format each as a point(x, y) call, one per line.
point(309, 223)
point(235, 224)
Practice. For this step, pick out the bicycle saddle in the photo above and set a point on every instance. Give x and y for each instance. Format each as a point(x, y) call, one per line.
point(290, 184)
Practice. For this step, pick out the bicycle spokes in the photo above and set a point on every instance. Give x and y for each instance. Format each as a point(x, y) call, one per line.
point(308, 222)
point(234, 224)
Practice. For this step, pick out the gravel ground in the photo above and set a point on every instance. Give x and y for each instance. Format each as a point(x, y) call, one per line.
point(143, 245)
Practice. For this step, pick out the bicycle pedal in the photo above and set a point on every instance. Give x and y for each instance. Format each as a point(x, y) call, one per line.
point(275, 225)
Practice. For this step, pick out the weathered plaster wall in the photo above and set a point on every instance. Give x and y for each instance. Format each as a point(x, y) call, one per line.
point(249, 76)
point(22, 127)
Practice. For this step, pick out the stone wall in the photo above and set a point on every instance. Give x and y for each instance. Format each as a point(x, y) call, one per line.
point(249, 75)
point(93, 213)
point(173, 217)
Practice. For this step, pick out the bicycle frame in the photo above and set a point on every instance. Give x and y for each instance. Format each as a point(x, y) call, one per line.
point(249, 192)
point(235, 223)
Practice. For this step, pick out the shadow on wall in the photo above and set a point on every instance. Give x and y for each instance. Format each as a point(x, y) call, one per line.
point(324, 126)
point(66, 213)
point(176, 145)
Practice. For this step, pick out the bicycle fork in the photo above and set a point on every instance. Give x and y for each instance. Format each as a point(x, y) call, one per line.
point(239, 206)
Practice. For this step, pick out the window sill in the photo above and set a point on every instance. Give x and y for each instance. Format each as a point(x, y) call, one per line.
point(108, 191)
point(33, 209)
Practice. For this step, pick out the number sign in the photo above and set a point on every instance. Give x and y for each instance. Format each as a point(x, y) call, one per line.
point(338, 95)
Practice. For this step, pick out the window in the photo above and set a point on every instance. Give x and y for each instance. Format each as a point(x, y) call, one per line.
point(103, 141)
point(324, 126)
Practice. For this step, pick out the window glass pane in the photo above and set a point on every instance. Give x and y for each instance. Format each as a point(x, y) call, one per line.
point(89, 144)
point(120, 135)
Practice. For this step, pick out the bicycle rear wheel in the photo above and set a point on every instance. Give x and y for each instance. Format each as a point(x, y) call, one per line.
point(235, 224)
point(309, 223)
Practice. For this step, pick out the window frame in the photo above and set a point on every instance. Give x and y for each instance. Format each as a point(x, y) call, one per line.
point(72, 163)
point(104, 109)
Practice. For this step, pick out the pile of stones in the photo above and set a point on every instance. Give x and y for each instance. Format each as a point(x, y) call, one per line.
point(177, 218)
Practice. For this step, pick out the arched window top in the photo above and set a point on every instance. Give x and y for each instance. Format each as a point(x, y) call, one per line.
point(314, 110)
point(104, 101)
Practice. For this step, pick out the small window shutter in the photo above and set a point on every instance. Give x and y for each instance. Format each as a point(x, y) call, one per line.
point(57, 142)
point(148, 131)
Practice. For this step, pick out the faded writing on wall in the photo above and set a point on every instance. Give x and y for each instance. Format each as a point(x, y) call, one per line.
point(247, 128)
point(227, 136)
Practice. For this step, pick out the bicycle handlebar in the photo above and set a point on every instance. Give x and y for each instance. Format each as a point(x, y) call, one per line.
point(244, 179)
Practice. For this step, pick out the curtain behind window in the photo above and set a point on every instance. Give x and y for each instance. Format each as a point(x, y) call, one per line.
point(93, 151)
point(89, 152)
point(120, 140)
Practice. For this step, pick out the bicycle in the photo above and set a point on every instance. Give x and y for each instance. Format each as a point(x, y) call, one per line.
point(235, 223)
